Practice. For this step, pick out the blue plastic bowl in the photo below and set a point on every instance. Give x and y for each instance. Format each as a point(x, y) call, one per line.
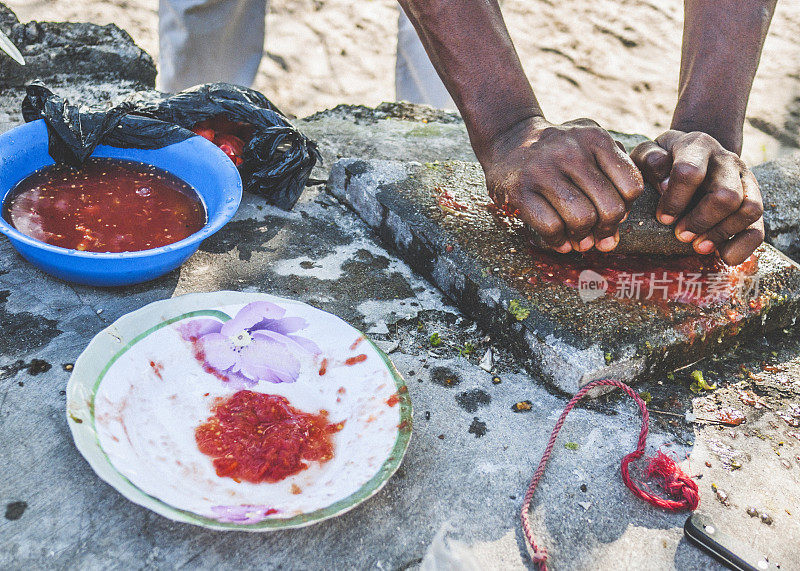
point(196, 161)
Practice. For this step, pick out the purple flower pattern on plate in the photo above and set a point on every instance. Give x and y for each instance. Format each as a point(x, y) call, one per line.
point(258, 344)
point(244, 514)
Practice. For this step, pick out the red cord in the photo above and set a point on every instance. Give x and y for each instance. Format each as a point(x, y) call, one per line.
point(676, 483)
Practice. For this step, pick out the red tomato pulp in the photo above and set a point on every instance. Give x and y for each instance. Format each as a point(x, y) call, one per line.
point(258, 437)
point(107, 205)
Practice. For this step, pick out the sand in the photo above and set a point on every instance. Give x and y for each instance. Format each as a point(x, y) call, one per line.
point(615, 61)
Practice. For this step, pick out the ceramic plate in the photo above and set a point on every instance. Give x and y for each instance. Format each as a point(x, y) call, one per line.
point(145, 384)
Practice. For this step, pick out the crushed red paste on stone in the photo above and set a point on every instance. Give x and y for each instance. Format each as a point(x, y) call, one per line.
point(695, 280)
point(448, 202)
point(107, 205)
point(256, 437)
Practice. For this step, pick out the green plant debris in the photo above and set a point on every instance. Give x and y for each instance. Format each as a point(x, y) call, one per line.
point(425, 131)
point(571, 446)
point(646, 397)
point(467, 349)
point(700, 384)
point(519, 312)
point(670, 376)
point(435, 340)
point(608, 358)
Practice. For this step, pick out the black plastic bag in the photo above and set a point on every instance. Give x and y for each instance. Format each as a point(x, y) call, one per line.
point(74, 134)
point(278, 159)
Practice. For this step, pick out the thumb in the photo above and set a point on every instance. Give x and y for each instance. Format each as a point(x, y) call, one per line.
point(654, 161)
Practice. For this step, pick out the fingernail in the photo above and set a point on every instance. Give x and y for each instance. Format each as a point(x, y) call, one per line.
point(705, 247)
point(586, 243)
point(564, 248)
point(607, 244)
point(666, 219)
point(686, 236)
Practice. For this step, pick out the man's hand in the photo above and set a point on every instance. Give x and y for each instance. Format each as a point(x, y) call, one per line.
point(571, 183)
point(708, 190)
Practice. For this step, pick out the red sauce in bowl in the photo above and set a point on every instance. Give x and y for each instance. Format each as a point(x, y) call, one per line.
point(107, 205)
point(258, 437)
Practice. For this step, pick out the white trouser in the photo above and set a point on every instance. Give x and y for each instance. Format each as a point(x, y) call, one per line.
point(415, 79)
point(223, 40)
point(202, 41)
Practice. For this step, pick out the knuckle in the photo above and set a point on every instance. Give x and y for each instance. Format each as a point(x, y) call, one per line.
point(697, 223)
point(611, 216)
point(634, 190)
point(584, 122)
point(550, 228)
point(570, 152)
point(751, 209)
point(653, 160)
point(585, 223)
point(726, 198)
point(718, 235)
point(594, 135)
point(703, 139)
point(688, 173)
point(549, 132)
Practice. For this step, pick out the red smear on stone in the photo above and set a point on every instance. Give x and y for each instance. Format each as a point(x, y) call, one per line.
point(702, 281)
point(729, 416)
point(256, 437)
point(448, 203)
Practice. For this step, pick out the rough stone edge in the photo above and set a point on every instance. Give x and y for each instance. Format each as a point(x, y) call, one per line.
point(558, 362)
point(555, 365)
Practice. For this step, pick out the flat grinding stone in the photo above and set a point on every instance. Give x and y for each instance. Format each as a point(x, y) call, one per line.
point(437, 216)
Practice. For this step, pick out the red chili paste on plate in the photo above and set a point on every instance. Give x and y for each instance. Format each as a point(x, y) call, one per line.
point(258, 437)
point(107, 205)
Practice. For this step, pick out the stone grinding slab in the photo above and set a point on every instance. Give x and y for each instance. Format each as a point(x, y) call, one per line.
point(437, 216)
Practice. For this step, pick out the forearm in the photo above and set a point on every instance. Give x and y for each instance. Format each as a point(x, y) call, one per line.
point(469, 45)
point(722, 41)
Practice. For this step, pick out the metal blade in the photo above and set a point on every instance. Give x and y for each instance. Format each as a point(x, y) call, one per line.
point(8, 46)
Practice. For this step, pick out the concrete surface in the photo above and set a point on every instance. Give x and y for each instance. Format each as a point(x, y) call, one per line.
point(456, 498)
point(469, 461)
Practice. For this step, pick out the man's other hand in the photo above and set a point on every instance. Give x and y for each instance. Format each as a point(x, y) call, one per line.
point(572, 183)
point(708, 190)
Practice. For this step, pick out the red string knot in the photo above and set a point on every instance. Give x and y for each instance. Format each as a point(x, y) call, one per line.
point(539, 556)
